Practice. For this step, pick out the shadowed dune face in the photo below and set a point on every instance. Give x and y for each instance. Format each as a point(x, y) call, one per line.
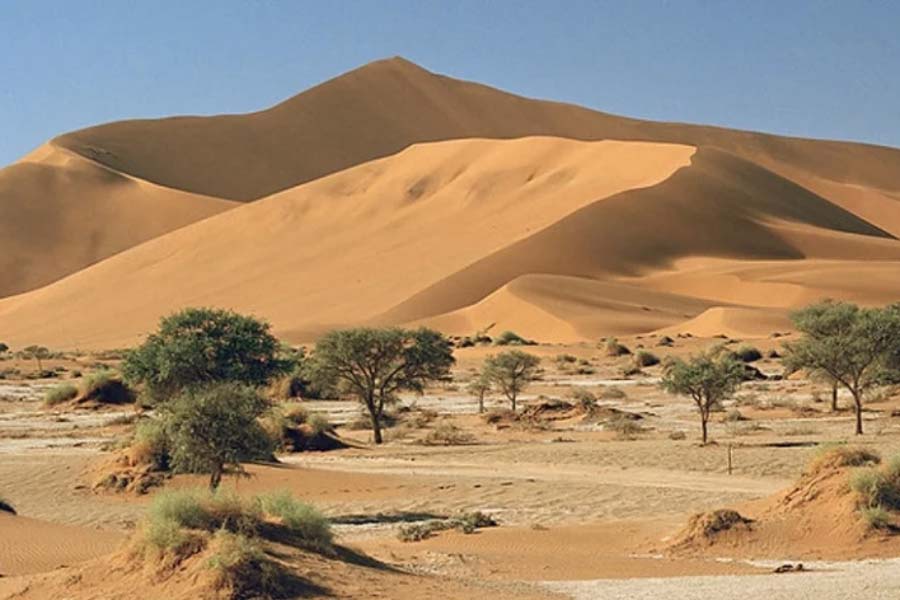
point(60, 213)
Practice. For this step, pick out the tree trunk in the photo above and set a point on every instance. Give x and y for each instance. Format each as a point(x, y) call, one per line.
point(215, 478)
point(376, 428)
point(703, 422)
point(857, 401)
point(481, 404)
point(834, 395)
point(40, 366)
point(513, 400)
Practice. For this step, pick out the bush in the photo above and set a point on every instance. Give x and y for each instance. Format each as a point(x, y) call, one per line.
point(448, 434)
point(511, 338)
point(747, 354)
point(465, 522)
point(151, 445)
point(840, 456)
point(678, 435)
point(735, 415)
point(107, 388)
point(307, 523)
point(625, 428)
point(876, 517)
point(5, 506)
point(242, 567)
point(565, 359)
point(58, 394)
point(878, 488)
point(611, 392)
point(643, 358)
point(614, 348)
point(585, 399)
point(319, 423)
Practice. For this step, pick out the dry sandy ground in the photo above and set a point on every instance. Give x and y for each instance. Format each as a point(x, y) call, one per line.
point(582, 513)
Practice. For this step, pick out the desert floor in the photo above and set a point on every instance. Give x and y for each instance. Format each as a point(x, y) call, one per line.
point(583, 511)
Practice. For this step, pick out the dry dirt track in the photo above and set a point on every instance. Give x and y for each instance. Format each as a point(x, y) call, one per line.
point(870, 580)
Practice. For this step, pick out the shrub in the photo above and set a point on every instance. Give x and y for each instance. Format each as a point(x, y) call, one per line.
point(151, 445)
point(107, 388)
point(5, 506)
point(511, 338)
point(878, 488)
point(307, 523)
point(448, 434)
point(60, 393)
point(735, 415)
point(466, 522)
point(625, 427)
point(614, 348)
point(876, 517)
point(677, 435)
point(242, 567)
point(748, 354)
point(585, 399)
point(841, 456)
point(564, 359)
point(643, 358)
point(207, 511)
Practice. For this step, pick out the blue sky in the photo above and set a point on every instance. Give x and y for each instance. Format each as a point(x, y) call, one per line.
point(827, 69)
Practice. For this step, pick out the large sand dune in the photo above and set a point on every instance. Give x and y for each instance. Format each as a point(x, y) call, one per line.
point(394, 195)
point(444, 226)
point(60, 212)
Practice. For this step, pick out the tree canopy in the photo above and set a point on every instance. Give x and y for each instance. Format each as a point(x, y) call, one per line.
point(706, 378)
point(374, 365)
point(856, 347)
point(200, 346)
point(511, 372)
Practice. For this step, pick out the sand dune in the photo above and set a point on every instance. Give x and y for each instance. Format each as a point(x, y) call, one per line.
point(31, 546)
point(60, 213)
point(385, 106)
point(445, 226)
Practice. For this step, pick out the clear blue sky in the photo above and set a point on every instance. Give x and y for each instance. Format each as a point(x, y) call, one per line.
point(823, 68)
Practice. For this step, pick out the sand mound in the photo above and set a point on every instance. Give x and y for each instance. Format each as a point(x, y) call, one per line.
point(818, 517)
point(60, 213)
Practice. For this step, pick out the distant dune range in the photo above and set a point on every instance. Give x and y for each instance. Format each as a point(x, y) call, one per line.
point(392, 195)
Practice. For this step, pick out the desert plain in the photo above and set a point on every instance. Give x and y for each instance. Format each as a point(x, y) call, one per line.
point(392, 196)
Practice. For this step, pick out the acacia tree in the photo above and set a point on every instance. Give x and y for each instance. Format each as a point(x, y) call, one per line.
point(479, 387)
point(374, 365)
point(511, 372)
point(856, 347)
point(196, 347)
point(707, 378)
point(38, 353)
point(215, 427)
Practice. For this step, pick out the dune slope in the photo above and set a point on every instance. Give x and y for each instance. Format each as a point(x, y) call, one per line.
point(385, 106)
point(440, 227)
point(60, 213)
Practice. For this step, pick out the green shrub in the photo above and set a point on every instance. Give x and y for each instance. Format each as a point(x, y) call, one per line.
point(625, 427)
point(467, 523)
point(204, 510)
point(60, 393)
point(242, 568)
point(643, 358)
point(840, 456)
point(585, 399)
point(319, 423)
point(151, 445)
point(106, 387)
point(511, 338)
point(307, 523)
point(878, 488)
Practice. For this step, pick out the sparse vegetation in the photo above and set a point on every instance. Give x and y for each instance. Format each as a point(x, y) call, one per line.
point(511, 338)
point(448, 434)
point(480, 386)
point(374, 365)
point(466, 523)
point(58, 394)
point(300, 518)
point(878, 487)
point(856, 347)
point(644, 358)
point(748, 354)
point(511, 372)
point(106, 387)
point(614, 348)
point(707, 379)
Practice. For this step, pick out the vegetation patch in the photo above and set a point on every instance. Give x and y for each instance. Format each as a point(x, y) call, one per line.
point(448, 434)
point(59, 394)
point(467, 523)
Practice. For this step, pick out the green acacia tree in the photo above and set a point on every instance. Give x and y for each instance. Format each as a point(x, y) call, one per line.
point(37, 353)
point(511, 372)
point(479, 387)
point(856, 347)
point(200, 346)
point(374, 365)
point(214, 427)
point(707, 378)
